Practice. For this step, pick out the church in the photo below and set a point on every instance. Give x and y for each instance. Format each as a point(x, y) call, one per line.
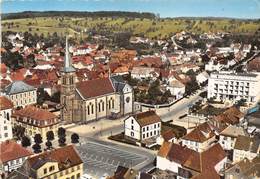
point(92, 100)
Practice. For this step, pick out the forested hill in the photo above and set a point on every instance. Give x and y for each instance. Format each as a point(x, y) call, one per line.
point(31, 14)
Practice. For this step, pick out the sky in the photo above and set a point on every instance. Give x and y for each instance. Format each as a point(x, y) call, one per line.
point(166, 8)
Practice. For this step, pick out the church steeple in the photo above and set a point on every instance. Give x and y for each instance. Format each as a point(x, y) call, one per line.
point(67, 61)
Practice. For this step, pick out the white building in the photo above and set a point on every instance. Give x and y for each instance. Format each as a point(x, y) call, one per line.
point(12, 156)
point(228, 136)
point(234, 86)
point(213, 66)
point(176, 88)
point(142, 73)
point(187, 163)
point(202, 77)
point(246, 147)
point(21, 94)
point(200, 138)
point(5, 119)
point(143, 126)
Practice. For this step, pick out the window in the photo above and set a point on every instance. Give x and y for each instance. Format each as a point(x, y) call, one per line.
point(72, 177)
point(147, 128)
point(151, 133)
point(132, 134)
point(132, 127)
point(88, 110)
point(6, 134)
point(78, 176)
point(159, 125)
point(143, 136)
point(5, 127)
point(154, 125)
point(132, 121)
point(147, 134)
point(154, 132)
point(45, 170)
point(92, 108)
point(51, 168)
point(143, 129)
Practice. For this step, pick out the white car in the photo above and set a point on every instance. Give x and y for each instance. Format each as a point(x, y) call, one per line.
point(86, 176)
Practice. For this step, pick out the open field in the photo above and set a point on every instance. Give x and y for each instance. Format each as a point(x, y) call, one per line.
point(152, 28)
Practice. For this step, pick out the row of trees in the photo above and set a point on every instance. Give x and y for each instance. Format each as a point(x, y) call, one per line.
point(26, 142)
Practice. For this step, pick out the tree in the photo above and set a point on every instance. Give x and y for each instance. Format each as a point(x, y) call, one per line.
point(61, 131)
point(74, 138)
point(50, 135)
point(18, 132)
point(48, 144)
point(26, 142)
point(62, 136)
point(38, 140)
point(62, 141)
point(37, 148)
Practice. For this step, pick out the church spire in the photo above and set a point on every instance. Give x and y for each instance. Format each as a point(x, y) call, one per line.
point(67, 61)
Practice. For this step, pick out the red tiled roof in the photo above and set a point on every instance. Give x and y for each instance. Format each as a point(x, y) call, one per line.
point(66, 157)
point(35, 113)
point(5, 103)
point(147, 118)
point(93, 88)
point(10, 150)
point(201, 133)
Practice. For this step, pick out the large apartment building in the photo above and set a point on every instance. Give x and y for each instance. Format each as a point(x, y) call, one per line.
point(229, 86)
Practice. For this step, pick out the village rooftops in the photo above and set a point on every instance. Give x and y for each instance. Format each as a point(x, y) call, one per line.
point(147, 118)
point(35, 116)
point(10, 150)
point(66, 157)
point(201, 133)
point(247, 143)
point(5, 103)
point(233, 131)
point(18, 87)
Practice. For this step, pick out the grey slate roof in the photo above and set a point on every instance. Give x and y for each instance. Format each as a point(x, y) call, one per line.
point(118, 83)
point(18, 87)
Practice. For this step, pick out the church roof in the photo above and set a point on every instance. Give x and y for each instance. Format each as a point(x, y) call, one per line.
point(94, 88)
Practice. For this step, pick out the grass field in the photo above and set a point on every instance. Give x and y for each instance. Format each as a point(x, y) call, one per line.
point(151, 28)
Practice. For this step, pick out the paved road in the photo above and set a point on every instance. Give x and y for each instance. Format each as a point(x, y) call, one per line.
point(181, 107)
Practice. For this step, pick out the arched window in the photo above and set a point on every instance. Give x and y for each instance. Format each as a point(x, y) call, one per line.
point(103, 106)
point(92, 108)
point(88, 110)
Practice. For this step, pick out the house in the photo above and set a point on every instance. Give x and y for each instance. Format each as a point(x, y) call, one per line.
point(12, 156)
point(176, 88)
point(21, 94)
point(228, 136)
point(200, 138)
point(129, 173)
point(246, 147)
point(36, 121)
point(60, 163)
point(187, 163)
point(202, 77)
point(244, 169)
point(143, 126)
point(142, 73)
point(231, 116)
point(213, 65)
point(253, 122)
point(5, 119)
